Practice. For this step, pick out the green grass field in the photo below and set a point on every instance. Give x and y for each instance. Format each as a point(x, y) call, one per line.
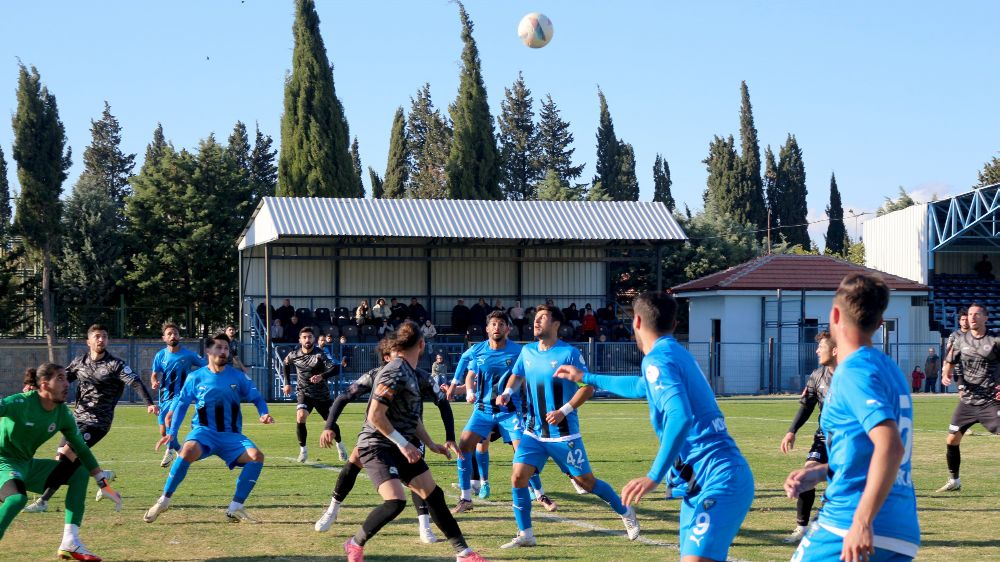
point(620, 443)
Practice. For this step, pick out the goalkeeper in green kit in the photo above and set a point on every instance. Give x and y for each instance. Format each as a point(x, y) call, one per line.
point(27, 421)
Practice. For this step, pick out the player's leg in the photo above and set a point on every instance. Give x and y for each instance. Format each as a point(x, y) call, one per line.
point(13, 491)
point(711, 519)
point(66, 467)
point(423, 519)
point(166, 406)
point(323, 409)
point(962, 419)
point(345, 483)
point(197, 446)
point(38, 474)
point(529, 458)
point(478, 426)
point(806, 500)
point(571, 456)
point(420, 480)
point(241, 451)
point(483, 461)
point(302, 411)
point(383, 464)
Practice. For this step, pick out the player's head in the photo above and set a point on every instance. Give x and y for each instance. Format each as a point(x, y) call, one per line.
point(52, 382)
point(548, 318)
point(97, 338)
point(30, 380)
point(171, 334)
point(231, 331)
point(858, 303)
point(307, 339)
point(977, 316)
point(826, 349)
point(497, 328)
point(407, 339)
point(655, 315)
point(217, 349)
point(384, 350)
point(321, 340)
point(963, 319)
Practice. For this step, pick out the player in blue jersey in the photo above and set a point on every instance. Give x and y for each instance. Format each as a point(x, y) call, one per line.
point(691, 431)
point(552, 425)
point(870, 509)
point(171, 366)
point(216, 391)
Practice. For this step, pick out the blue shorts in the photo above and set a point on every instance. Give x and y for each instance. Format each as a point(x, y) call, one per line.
point(711, 518)
point(571, 456)
point(165, 407)
point(227, 446)
point(821, 544)
point(482, 424)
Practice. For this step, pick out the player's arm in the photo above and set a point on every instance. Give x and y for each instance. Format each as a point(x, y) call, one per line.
point(950, 358)
point(179, 410)
point(460, 372)
point(71, 432)
point(428, 441)
point(287, 373)
point(154, 376)
point(887, 456)
point(470, 386)
point(807, 403)
point(377, 415)
point(514, 381)
point(624, 386)
point(582, 394)
point(128, 376)
point(249, 393)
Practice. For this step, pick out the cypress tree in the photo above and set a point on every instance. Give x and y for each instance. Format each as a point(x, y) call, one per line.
point(356, 160)
point(105, 160)
point(555, 143)
point(263, 171)
point(836, 234)
point(662, 183)
point(791, 183)
point(750, 160)
point(429, 139)
point(723, 168)
point(378, 189)
point(12, 285)
point(397, 169)
point(242, 192)
point(472, 168)
point(771, 188)
point(519, 153)
point(156, 147)
point(90, 268)
point(314, 158)
point(42, 161)
point(608, 152)
point(628, 183)
point(5, 209)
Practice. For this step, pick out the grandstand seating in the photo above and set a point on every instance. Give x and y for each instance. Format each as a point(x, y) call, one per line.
point(950, 292)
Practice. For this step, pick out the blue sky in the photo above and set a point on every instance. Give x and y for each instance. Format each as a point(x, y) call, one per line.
point(885, 94)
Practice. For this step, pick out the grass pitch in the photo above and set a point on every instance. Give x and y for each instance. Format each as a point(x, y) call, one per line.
point(620, 444)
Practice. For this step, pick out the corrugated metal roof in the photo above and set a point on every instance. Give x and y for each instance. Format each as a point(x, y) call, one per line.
point(279, 217)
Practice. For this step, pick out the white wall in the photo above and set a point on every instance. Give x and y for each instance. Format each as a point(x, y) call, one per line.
point(897, 243)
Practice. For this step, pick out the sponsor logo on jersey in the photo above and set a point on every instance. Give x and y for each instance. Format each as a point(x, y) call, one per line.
point(652, 373)
point(393, 471)
point(29, 424)
point(233, 386)
point(86, 436)
point(553, 363)
point(52, 427)
point(510, 362)
point(383, 391)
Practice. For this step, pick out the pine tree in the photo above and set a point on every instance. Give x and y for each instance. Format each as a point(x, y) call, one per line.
point(519, 153)
point(105, 160)
point(990, 174)
point(429, 138)
point(662, 183)
point(263, 172)
point(42, 161)
point(156, 147)
point(397, 168)
point(750, 159)
point(90, 268)
point(240, 157)
point(356, 160)
point(555, 142)
point(608, 152)
point(791, 184)
point(378, 188)
point(12, 285)
point(771, 188)
point(597, 193)
point(5, 210)
point(836, 234)
point(628, 183)
point(472, 168)
point(314, 158)
point(238, 149)
point(551, 188)
point(723, 168)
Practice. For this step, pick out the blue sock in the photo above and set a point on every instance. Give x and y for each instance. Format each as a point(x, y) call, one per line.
point(484, 465)
point(604, 491)
point(535, 482)
point(465, 471)
point(247, 480)
point(522, 508)
point(178, 471)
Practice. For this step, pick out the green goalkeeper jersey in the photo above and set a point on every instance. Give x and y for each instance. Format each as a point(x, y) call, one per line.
point(25, 426)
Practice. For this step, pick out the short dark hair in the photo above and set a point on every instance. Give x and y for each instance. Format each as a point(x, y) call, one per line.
point(977, 305)
point(168, 325)
point(497, 314)
point(221, 336)
point(307, 330)
point(46, 372)
point(863, 297)
point(656, 309)
point(96, 328)
point(30, 378)
point(963, 311)
point(553, 311)
point(824, 335)
point(406, 337)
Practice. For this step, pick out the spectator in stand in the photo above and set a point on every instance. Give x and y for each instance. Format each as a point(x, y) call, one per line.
point(362, 314)
point(460, 317)
point(277, 331)
point(516, 314)
point(478, 313)
point(428, 330)
point(386, 330)
point(918, 378)
point(932, 368)
point(321, 341)
point(440, 371)
point(572, 315)
point(292, 330)
point(984, 268)
point(417, 312)
point(262, 311)
point(498, 306)
point(606, 316)
point(345, 352)
point(234, 350)
point(285, 312)
point(589, 323)
point(397, 312)
point(380, 312)
point(529, 319)
point(619, 333)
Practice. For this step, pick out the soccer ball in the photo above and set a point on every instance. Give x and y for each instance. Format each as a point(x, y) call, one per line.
point(535, 30)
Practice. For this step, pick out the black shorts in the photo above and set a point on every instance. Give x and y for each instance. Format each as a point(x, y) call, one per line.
point(322, 406)
point(91, 435)
point(817, 452)
point(965, 416)
point(384, 462)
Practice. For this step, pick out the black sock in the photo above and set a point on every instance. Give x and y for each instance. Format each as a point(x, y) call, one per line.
point(301, 433)
point(345, 482)
point(444, 520)
point(59, 476)
point(420, 504)
point(475, 466)
point(954, 457)
point(804, 506)
point(378, 518)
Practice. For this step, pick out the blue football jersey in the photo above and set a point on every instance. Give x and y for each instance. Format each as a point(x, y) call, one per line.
point(466, 360)
point(174, 368)
point(544, 393)
point(867, 389)
point(217, 398)
point(492, 368)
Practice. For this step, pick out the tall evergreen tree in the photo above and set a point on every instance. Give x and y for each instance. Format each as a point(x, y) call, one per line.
point(314, 158)
point(608, 152)
point(597, 193)
point(724, 178)
point(239, 156)
point(356, 160)
point(429, 138)
point(155, 148)
point(791, 183)
point(551, 188)
point(519, 153)
point(555, 141)
point(42, 161)
point(750, 159)
point(771, 187)
point(263, 171)
point(662, 183)
point(6, 213)
point(990, 174)
point(105, 160)
point(472, 168)
point(238, 149)
point(628, 183)
point(397, 168)
point(378, 188)
point(836, 233)
point(90, 268)
point(12, 284)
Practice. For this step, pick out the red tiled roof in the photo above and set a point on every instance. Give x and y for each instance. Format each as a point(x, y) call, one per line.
point(791, 272)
